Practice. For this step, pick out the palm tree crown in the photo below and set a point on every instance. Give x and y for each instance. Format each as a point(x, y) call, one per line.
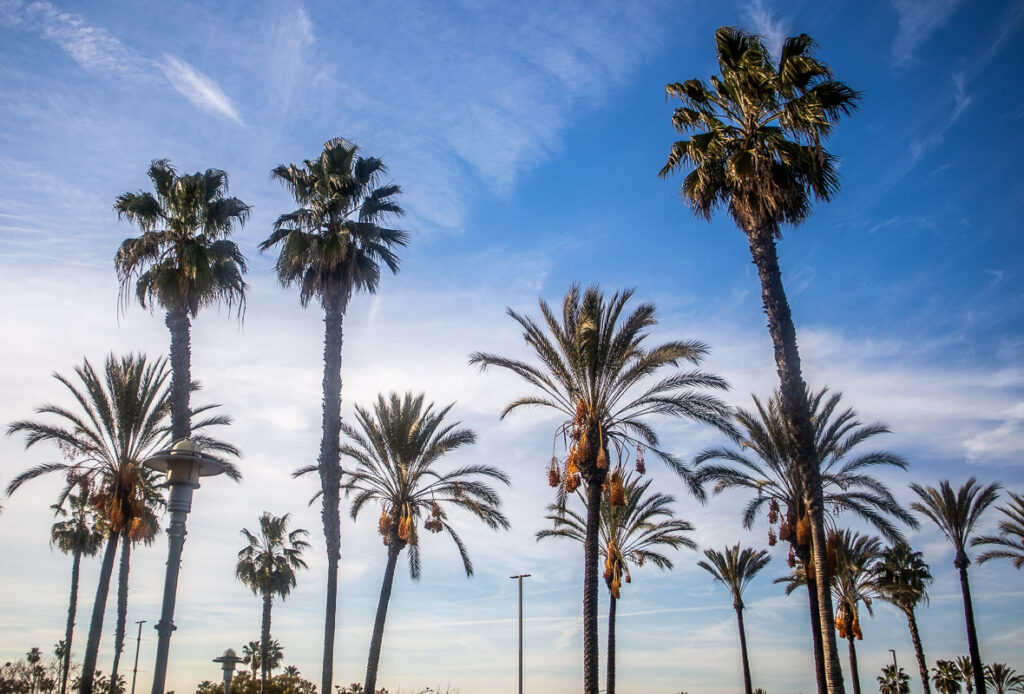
point(1003, 678)
point(735, 568)
point(83, 530)
point(901, 577)
point(334, 242)
point(947, 677)
point(184, 259)
point(1009, 543)
point(267, 564)
point(955, 512)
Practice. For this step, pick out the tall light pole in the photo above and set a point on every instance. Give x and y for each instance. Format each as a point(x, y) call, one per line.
point(228, 662)
point(138, 642)
point(895, 667)
point(520, 578)
point(184, 465)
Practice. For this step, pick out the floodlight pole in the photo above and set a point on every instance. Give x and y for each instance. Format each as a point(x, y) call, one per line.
point(138, 643)
point(520, 578)
point(895, 667)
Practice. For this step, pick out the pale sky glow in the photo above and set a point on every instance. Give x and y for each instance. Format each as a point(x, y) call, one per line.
point(527, 138)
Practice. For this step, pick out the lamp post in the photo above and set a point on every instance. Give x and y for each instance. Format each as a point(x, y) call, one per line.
point(228, 662)
point(184, 465)
point(520, 578)
point(138, 642)
point(895, 668)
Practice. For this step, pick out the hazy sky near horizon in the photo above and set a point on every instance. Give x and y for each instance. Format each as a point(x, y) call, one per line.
point(527, 138)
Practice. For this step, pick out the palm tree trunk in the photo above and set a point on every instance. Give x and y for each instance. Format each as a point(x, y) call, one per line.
point(373, 661)
point(854, 673)
point(972, 634)
point(92, 646)
point(819, 657)
point(793, 400)
point(915, 636)
point(610, 674)
point(330, 471)
point(69, 630)
point(591, 556)
point(181, 373)
point(268, 599)
point(122, 608)
point(747, 686)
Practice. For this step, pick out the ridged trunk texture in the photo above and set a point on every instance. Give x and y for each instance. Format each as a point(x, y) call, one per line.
point(329, 466)
point(268, 601)
point(915, 636)
point(795, 410)
point(92, 646)
point(122, 607)
point(747, 686)
point(610, 674)
point(591, 556)
point(69, 630)
point(854, 673)
point(377, 640)
point(819, 658)
point(972, 634)
point(181, 373)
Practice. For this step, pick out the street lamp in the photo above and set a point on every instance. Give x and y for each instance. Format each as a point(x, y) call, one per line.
point(138, 643)
point(895, 668)
point(228, 662)
point(184, 464)
point(520, 578)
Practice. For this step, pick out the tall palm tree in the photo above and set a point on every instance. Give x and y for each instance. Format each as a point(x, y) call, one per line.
point(755, 146)
point(1009, 543)
point(267, 566)
point(956, 512)
point(634, 532)
point(1004, 679)
point(182, 262)
point(121, 419)
point(735, 569)
point(948, 677)
point(852, 585)
point(595, 371)
point(764, 463)
point(901, 578)
point(396, 447)
point(80, 535)
point(332, 246)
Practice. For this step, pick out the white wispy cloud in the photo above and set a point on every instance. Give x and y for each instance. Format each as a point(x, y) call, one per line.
point(774, 31)
point(918, 20)
point(198, 88)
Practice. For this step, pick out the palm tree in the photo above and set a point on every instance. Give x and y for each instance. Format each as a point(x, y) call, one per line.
point(594, 371)
point(947, 677)
point(267, 566)
point(852, 584)
point(332, 246)
point(755, 146)
point(396, 447)
point(956, 512)
point(633, 533)
point(1009, 543)
point(182, 262)
point(963, 662)
point(735, 569)
point(80, 535)
point(893, 681)
point(1004, 679)
point(764, 463)
point(252, 658)
point(901, 577)
point(120, 422)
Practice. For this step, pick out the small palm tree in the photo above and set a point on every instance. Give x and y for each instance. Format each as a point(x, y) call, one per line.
point(947, 677)
point(966, 672)
point(956, 513)
point(333, 246)
point(397, 446)
point(121, 420)
point(267, 566)
point(735, 569)
point(901, 577)
point(633, 533)
point(1009, 543)
point(764, 464)
point(755, 147)
point(1004, 679)
point(893, 681)
point(595, 371)
point(81, 535)
point(182, 262)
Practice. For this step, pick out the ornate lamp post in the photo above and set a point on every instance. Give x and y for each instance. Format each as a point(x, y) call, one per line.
point(184, 465)
point(228, 662)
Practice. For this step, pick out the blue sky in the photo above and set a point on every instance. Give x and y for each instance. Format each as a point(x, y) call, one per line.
point(527, 139)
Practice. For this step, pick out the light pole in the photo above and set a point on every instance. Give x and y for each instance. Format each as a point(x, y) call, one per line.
point(184, 465)
point(228, 662)
point(895, 667)
point(138, 642)
point(520, 578)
